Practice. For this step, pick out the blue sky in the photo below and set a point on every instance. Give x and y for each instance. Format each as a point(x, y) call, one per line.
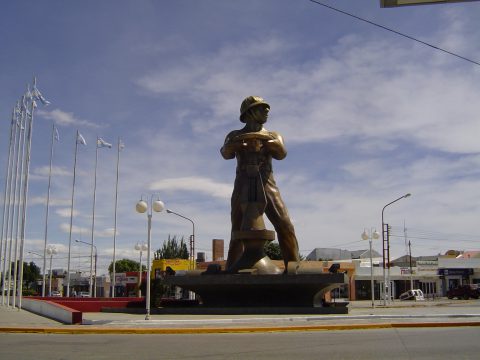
point(367, 116)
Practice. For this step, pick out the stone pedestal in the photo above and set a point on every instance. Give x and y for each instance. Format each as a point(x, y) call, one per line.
point(247, 291)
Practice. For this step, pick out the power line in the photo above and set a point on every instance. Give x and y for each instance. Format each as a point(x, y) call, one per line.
point(395, 32)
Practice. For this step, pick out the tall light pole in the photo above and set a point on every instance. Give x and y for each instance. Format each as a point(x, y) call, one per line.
point(142, 207)
point(94, 294)
point(372, 235)
point(192, 238)
point(141, 247)
point(386, 253)
point(51, 250)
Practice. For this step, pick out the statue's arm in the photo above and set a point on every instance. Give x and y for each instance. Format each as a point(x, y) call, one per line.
point(276, 147)
point(230, 146)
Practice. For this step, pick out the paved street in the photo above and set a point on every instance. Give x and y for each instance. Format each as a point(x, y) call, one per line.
point(443, 329)
point(410, 343)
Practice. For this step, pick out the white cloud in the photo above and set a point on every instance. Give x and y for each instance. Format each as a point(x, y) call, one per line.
point(42, 200)
point(368, 88)
point(63, 118)
point(194, 184)
point(43, 171)
point(65, 212)
point(65, 227)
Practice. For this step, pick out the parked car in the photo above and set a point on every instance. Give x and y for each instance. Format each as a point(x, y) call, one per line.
point(464, 292)
point(56, 293)
point(414, 294)
point(83, 294)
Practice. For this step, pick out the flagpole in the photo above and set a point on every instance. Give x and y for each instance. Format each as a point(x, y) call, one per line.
point(47, 210)
point(71, 217)
point(19, 264)
point(8, 183)
point(12, 211)
point(115, 219)
point(93, 293)
point(36, 95)
point(25, 193)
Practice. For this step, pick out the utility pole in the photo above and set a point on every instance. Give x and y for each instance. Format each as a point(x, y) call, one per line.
point(411, 273)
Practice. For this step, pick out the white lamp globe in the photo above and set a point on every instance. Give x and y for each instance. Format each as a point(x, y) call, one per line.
point(158, 206)
point(141, 206)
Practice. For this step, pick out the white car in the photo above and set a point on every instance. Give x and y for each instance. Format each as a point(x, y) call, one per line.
point(83, 294)
point(56, 293)
point(414, 294)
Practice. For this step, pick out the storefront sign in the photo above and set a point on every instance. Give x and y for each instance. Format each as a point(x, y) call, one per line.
point(449, 272)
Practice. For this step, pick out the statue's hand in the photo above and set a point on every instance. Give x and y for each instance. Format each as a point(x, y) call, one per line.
point(276, 147)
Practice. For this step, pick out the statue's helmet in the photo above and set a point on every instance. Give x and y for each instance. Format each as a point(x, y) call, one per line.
point(250, 102)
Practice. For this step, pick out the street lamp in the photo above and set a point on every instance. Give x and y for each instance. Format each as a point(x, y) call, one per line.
point(140, 247)
point(142, 207)
point(51, 250)
point(192, 238)
point(92, 278)
point(386, 281)
point(372, 235)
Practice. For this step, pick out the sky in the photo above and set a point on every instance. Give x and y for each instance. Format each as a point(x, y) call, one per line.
point(367, 116)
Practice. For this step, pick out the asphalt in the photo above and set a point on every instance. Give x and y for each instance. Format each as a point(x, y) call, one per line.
point(438, 313)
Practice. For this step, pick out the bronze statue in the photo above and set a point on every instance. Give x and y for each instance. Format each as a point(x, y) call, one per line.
point(254, 147)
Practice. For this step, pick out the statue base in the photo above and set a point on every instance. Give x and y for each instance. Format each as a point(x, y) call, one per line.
point(248, 291)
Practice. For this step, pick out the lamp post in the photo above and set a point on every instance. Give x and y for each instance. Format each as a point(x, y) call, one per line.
point(192, 238)
point(51, 250)
point(386, 249)
point(372, 235)
point(142, 207)
point(92, 278)
point(140, 247)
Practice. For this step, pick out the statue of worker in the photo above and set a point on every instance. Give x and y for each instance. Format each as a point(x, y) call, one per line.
point(254, 113)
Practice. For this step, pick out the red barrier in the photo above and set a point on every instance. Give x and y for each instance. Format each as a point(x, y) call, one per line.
point(94, 304)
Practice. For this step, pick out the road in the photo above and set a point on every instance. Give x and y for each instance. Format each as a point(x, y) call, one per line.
point(408, 343)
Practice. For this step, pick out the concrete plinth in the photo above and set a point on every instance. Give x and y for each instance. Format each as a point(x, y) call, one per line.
point(247, 290)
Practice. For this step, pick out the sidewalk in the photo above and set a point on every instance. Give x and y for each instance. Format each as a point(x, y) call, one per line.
point(437, 313)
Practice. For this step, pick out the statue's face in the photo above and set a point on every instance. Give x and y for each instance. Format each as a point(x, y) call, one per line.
point(259, 113)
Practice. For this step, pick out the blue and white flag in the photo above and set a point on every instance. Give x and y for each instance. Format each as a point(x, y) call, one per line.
point(56, 134)
point(102, 143)
point(81, 139)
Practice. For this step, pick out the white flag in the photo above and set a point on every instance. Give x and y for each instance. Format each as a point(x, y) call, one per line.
point(81, 139)
point(37, 95)
point(56, 135)
point(102, 143)
point(121, 145)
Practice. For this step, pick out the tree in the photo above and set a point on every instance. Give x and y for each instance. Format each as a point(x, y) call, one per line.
point(31, 273)
point(125, 265)
point(273, 251)
point(172, 249)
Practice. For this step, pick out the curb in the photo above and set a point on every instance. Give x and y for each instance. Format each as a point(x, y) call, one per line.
point(222, 330)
